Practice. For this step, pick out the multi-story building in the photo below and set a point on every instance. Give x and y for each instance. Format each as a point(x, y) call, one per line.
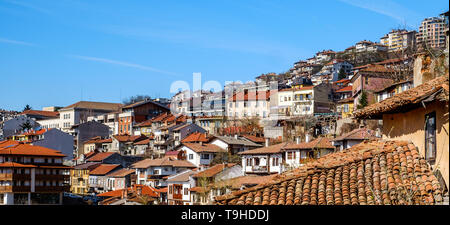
point(153, 172)
point(138, 112)
point(79, 177)
point(399, 39)
point(368, 46)
point(31, 174)
point(432, 33)
point(78, 113)
point(179, 186)
point(249, 103)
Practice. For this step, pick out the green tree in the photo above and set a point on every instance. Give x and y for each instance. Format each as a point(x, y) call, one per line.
point(27, 107)
point(26, 126)
point(225, 157)
point(341, 74)
point(362, 102)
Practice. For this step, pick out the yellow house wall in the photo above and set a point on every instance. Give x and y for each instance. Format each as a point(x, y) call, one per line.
point(411, 126)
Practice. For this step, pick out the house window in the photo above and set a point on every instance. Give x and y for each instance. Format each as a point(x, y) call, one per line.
point(170, 189)
point(205, 156)
point(430, 137)
point(249, 162)
point(290, 155)
point(186, 191)
point(256, 161)
point(275, 162)
point(191, 156)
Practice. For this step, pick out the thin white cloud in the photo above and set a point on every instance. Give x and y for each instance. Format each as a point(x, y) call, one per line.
point(388, 8)
point(9, 41)
point(29, 6)
point(120, 63)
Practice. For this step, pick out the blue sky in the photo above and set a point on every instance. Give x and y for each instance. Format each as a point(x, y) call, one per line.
point(59, 52)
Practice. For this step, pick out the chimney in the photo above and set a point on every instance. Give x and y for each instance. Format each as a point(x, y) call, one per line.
point(236, 136)
point(297, 140)
point(267, 142)
point(307, 138)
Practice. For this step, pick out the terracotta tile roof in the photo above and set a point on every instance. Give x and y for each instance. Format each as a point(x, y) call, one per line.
point(162, 190)
point(89, 154)
point(121, 173)
point(105, 106)
point(129, 138)
point(320, 142)
point(357, 134)
point(248, 180)
point(16, 165)
point(98, 140)
point(370, 173)
point(408, 98)
point(87, 166)
point(197, 137)
point(264, 150)
point(377, 69)
point(100, 156)
point(345, 89)
point(17, 148)
point(199, 189)
point(40, 113)
point(239, 141)
point(251, 96)
point(146, 190)
point(136, 104)
point(214, 170)
point(104, 169)
point(342, 81)
point(166, 161)
point(143, 142)
point(146, 123)
point(347, 100)
point(160, 117)
point(253, 138)
point(181, 177)
point(197, 147)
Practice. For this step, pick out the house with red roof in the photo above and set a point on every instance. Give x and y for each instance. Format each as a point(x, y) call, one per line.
point(353, 137)
point(134, 195)
point(98, 180)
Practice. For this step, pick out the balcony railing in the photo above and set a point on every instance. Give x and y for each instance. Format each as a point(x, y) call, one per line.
point(259, 169)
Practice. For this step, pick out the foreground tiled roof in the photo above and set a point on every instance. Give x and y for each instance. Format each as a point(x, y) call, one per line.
point(357, 134)
point(409, 97)
point(248, 180)
point(17, 148)
point(370, 173)
point(214, 170)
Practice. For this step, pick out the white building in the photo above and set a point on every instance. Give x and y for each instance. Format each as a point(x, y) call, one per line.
point(178, 188)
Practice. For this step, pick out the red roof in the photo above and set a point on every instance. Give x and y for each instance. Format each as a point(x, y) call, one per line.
point(146, 190)
point(17, 148)
point(251, 96)
point(342, 81)
point(100, 156)
point(103, 169)
point(345, 89)
point(196, 137)
point(214, 170)
point(17, 165)
point(40, 113)
point(254, 138)
point(35, 132)
point(128, 138)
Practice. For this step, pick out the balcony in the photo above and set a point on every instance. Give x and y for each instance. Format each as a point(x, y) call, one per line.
point(4, 189)
point(51, 177)
point(260, 169)
point(52, 189)
point(11, 176)
point(5, 176)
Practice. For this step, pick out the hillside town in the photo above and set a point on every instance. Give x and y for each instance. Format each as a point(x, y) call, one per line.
point(367, 125)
